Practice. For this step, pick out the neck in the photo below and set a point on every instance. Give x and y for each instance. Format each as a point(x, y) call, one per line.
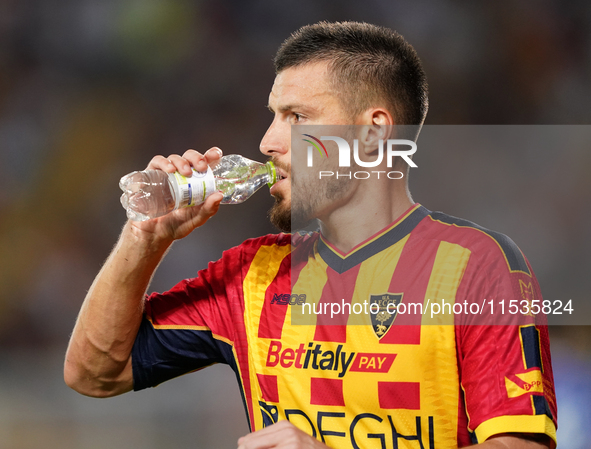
point(363, 216)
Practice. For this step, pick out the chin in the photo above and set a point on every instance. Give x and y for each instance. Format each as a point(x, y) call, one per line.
point(287, 219)
point(280, 215)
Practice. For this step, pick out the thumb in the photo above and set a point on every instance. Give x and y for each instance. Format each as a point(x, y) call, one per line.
point(212, 204)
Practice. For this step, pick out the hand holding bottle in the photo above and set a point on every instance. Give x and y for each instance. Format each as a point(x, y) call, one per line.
point(98, 360)
point(182, 222)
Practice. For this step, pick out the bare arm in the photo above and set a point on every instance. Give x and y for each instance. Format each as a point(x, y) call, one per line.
point(98, 359)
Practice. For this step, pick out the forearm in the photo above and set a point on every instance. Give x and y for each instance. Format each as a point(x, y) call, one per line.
point(98, 361)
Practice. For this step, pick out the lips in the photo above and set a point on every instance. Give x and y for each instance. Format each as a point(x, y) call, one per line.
point(282, 175)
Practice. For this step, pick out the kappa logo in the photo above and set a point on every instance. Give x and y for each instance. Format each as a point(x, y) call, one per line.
point(383, 319)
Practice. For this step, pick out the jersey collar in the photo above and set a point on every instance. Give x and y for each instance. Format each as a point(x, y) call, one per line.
point(383, 239)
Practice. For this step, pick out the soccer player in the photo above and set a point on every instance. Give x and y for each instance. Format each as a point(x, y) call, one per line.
point(390, 381)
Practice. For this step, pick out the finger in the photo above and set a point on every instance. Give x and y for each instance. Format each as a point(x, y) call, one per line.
point(182, 165)
point(199, 215)
point(161, 163)
point(196, 159)
point(268, 437)
point(269, 441)
point(213, 155)
point(212, 204)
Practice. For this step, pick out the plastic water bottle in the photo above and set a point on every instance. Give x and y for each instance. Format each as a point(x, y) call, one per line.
point(153, 193)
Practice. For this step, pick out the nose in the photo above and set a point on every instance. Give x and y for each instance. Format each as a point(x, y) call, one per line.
point(276, 140)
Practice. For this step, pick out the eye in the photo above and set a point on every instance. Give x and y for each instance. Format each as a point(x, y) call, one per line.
point(296, 117)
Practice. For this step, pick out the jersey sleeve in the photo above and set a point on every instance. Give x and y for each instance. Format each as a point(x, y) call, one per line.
point(504, 357)
point(192, 325)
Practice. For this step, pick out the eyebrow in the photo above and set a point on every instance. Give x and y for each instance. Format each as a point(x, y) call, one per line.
point(289, 107)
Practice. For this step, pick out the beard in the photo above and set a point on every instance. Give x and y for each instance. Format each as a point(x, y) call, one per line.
point(280, 215)
point(307, 200)
point(294, 213)
point(287, 218)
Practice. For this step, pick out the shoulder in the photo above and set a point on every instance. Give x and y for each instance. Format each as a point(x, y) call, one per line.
point(247, 250)
point(270, 245)
point(480, 241)
point(295, 239)
point(266, 240)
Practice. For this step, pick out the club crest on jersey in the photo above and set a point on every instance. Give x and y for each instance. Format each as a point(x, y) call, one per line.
point(383, 319)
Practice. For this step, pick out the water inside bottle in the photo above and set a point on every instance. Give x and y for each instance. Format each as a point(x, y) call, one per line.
point(146, 195)
point(237, 180)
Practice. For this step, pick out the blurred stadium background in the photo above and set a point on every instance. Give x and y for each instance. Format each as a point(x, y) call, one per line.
point(90, 90)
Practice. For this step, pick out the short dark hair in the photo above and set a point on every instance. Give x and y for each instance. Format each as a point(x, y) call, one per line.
point(370, 63)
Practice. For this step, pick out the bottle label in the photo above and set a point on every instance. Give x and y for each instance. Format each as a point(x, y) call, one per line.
point(194, 189)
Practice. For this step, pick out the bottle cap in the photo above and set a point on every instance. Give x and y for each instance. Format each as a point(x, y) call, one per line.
point(272, 172)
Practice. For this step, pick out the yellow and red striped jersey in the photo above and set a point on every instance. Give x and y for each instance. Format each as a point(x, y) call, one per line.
point(384, 371)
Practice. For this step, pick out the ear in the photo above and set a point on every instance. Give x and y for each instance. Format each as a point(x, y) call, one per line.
point(378, 126)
